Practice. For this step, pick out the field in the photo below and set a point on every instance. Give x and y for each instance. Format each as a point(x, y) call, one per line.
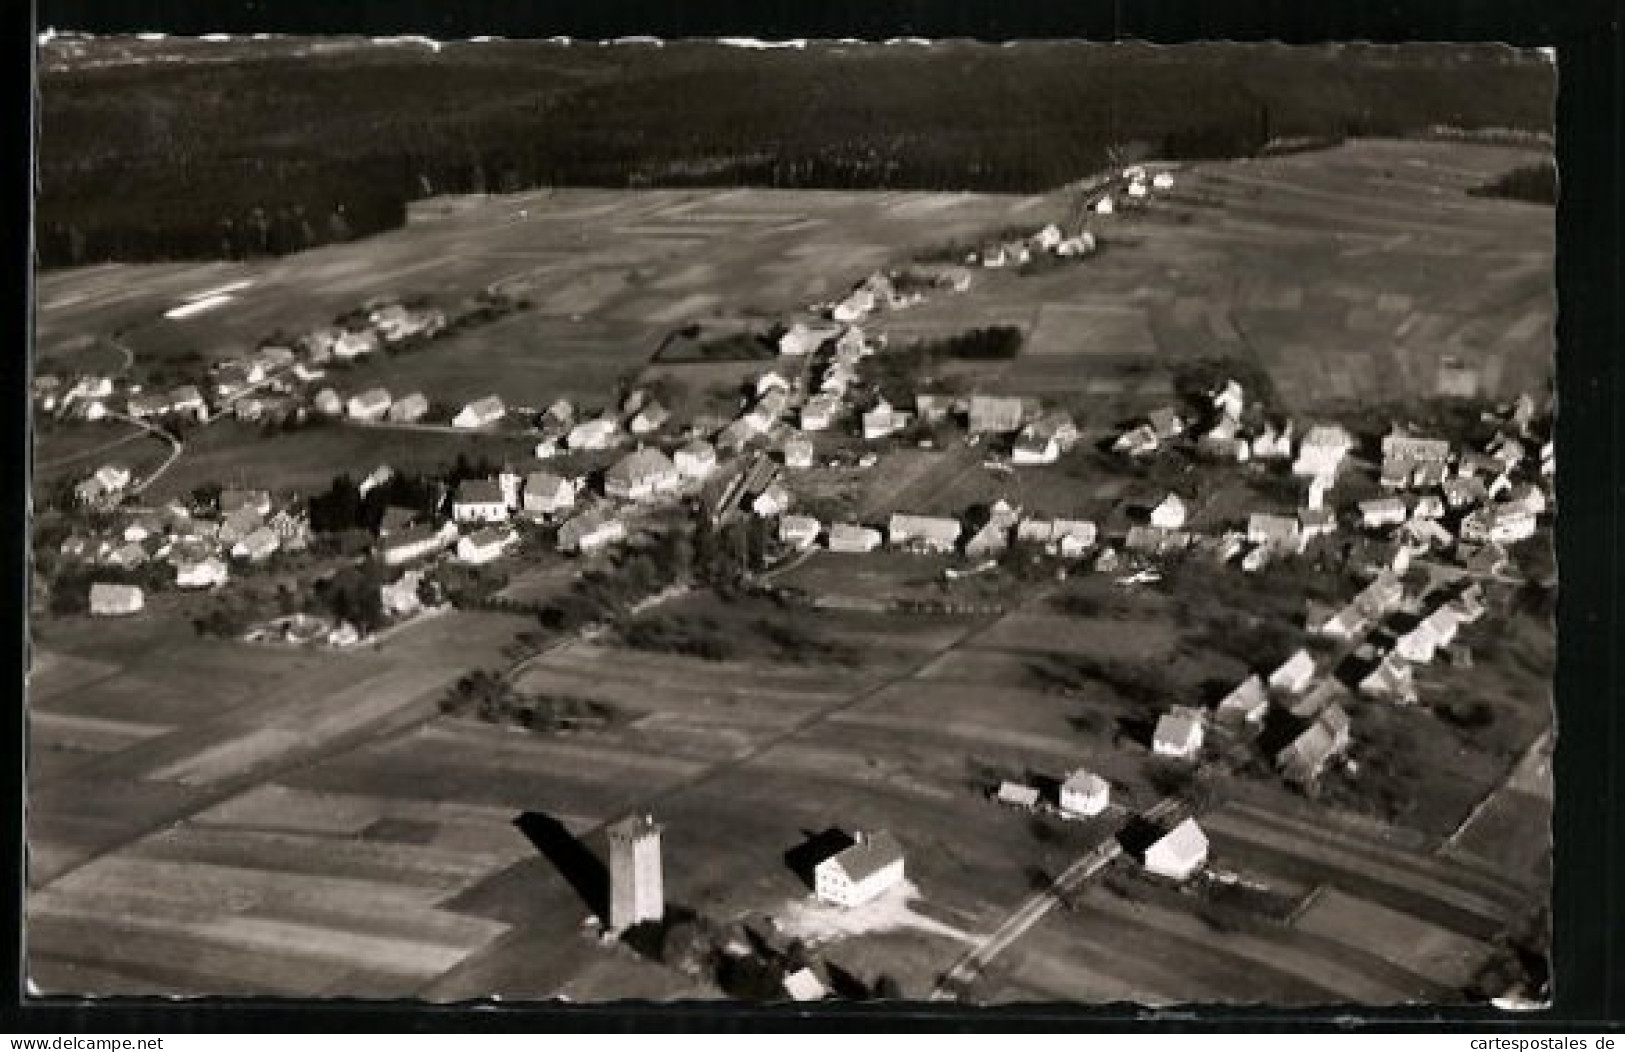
point(242, 838)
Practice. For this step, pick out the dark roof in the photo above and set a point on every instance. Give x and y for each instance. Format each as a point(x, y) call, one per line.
point(480, 491)
point(872, 853)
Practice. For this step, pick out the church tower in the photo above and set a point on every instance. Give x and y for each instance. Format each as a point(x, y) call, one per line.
point(636, 891)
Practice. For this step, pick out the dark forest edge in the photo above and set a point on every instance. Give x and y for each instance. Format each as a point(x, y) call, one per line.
point(1534, 183)
point(144, 162)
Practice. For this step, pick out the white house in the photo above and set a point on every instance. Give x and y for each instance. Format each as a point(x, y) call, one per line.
point(480, 500)
point(1179, 853)
point(204, 573)
point(1322, 450)
point(642, 475)
point(798, 452)
point(258, 545)
point(352, 345)
point(1501, 523)
point(1137, 441)
point(802, 339)
point(1085, 793)
point(1170, 514)
point(804, 985)
point(922, 533)
point(115, 600)
point(597, 433)
point(1295, 674)
point(483, 412)
point(415, 542)
point(858, 303)
point(327, 402)
point(880, 421)
point(409, 410)
point(1248, 704)
point(1383, 511)
point(774, 500)
point(590, 532)
point(1162, 181)
point(820, 412)
point(1281, 532)
point(1104, 206)
point(848, 537)
point(1179, 733)
point(697, 460)
point(548, 494)
point(990, 414)
point(871, 866)
point(486, 545)
point(1390, 680)
point(1306, 756)
point(368, 405)
point(799, 531)
point(650, 418)
point(1015, 794)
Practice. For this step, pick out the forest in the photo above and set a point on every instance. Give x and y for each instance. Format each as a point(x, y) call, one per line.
point(271, 151)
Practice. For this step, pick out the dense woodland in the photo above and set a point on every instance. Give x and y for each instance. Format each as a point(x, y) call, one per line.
point(272, 152)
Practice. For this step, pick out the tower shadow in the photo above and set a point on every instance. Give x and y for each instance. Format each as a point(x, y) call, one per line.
point(575, 861)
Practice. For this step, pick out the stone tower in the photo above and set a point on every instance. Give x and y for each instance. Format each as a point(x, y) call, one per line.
point(636, 893)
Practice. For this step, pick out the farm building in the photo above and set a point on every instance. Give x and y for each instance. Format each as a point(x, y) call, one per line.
point(933, 408)
point(1179, 853)
point(1306, 756)
point(1104, 206)
point(857, 305)
point(642, 475)
point(1279, 531)
point(146, 406)
point(819, 413)
point(1295, 674)
point(992, 540)
point(1044, 440)
point(480, 500)
point(402, 598)
point(415, 542)
point(1170, 514)
point(483, 412)
point(115, 600)
point(486, 545)
point(1273, 444)
point(1322, 450)
point(987, 414)
point(1345, 624)
point(258, 545)
point(1248, 704)
point(775, 499)
point(1390, 680)
point(590, 532)
point(1014, 794)
point(871, 866)
point(1085, 793)
point(881, 421)
point(697, 460)
point(409, 410)
point(352, 345)
point(1179, 733)
point(799, 531)
point(328, 403)
point(1137, 441)
point(188, 399)
point(1230, 400)
point(922, 533)
point(848, 537)
point(1401, 445)
point(598, 433)
point(803, 985)
point(368, 405)
point(548, 494)
point(798, 452)
point(801, 339)
point(1316, 522)
point(650, 418)
point(204, 573)
point(234, 500)
point(1165, 423)
point(1383, 511)
point(1502, 524)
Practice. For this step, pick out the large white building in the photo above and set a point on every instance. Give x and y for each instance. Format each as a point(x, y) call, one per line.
point(873, 864)
point(1180, 852)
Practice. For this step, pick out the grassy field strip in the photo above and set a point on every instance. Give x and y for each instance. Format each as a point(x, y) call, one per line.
point(502, 749)
point(54, 673)
point(1442, 955)
point(1069, 977)
point(230, 758)
point(371, 701)
point(277, 808)
point(205, 887)
point(1259, 850)
point(1032, 632)
point(739, 704)
point(832, 764)
point(1503, 892)
point(91, 733)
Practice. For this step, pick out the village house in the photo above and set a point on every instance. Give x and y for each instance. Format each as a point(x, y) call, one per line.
point(989, 542)
point(485, 545)
point(591, 532)
point(204, 573)
point(1383, 511)
point(1085, 793)
point(819, 412)
point(1527, 497)
point(370, 405)
point(481, 413)
point(1500, 523)
point(1322, 450)
point(1138, 441)
point(1390, 680)
point(235, 500)
point(987, 414)
point(1170, 514)
point(146, 406)
point(106, 481)
point(1401, 445)
point(1080, 244)
point(775, 499)
point(801, 339)
point(1104, 206)
point(855, 307)
point(804, 985)
point(922, 533)
point(1179, 853)
point(1294, 675)
point(1015, 794)
point(598, 433)
point(642, 475)
point(798, 452)
point(402, 598)
point(933, 408)
point(1273, 444)
point(1280, 532)
point(1166, 423)
point(353, 345)
point(697, 460)
point(852, 538)
point(871, 866)
point(1247, 705)
point(1044, 440)
point(409, 410)
point(188, 400)
point(548, 494)
point(258, 546)
point(1179, 733)
point(799, 531)
point(651, 418)
point(1304, 759)
point(328, 403)
point(1230, 400)
point(881, 421)
point(480, 500)
point(115, 600)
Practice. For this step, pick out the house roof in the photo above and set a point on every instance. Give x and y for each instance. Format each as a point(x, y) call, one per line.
point(371, 397)
point(641, 466)
point(490, 405)
point(544, 482)
point(1178, 726)
point(1296, 666)
point(872, 853)
point(902, 525)
point(1185, 841)
point(490, 536)
point(1249, 696)
point(480, 491)
point(1085, 782)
